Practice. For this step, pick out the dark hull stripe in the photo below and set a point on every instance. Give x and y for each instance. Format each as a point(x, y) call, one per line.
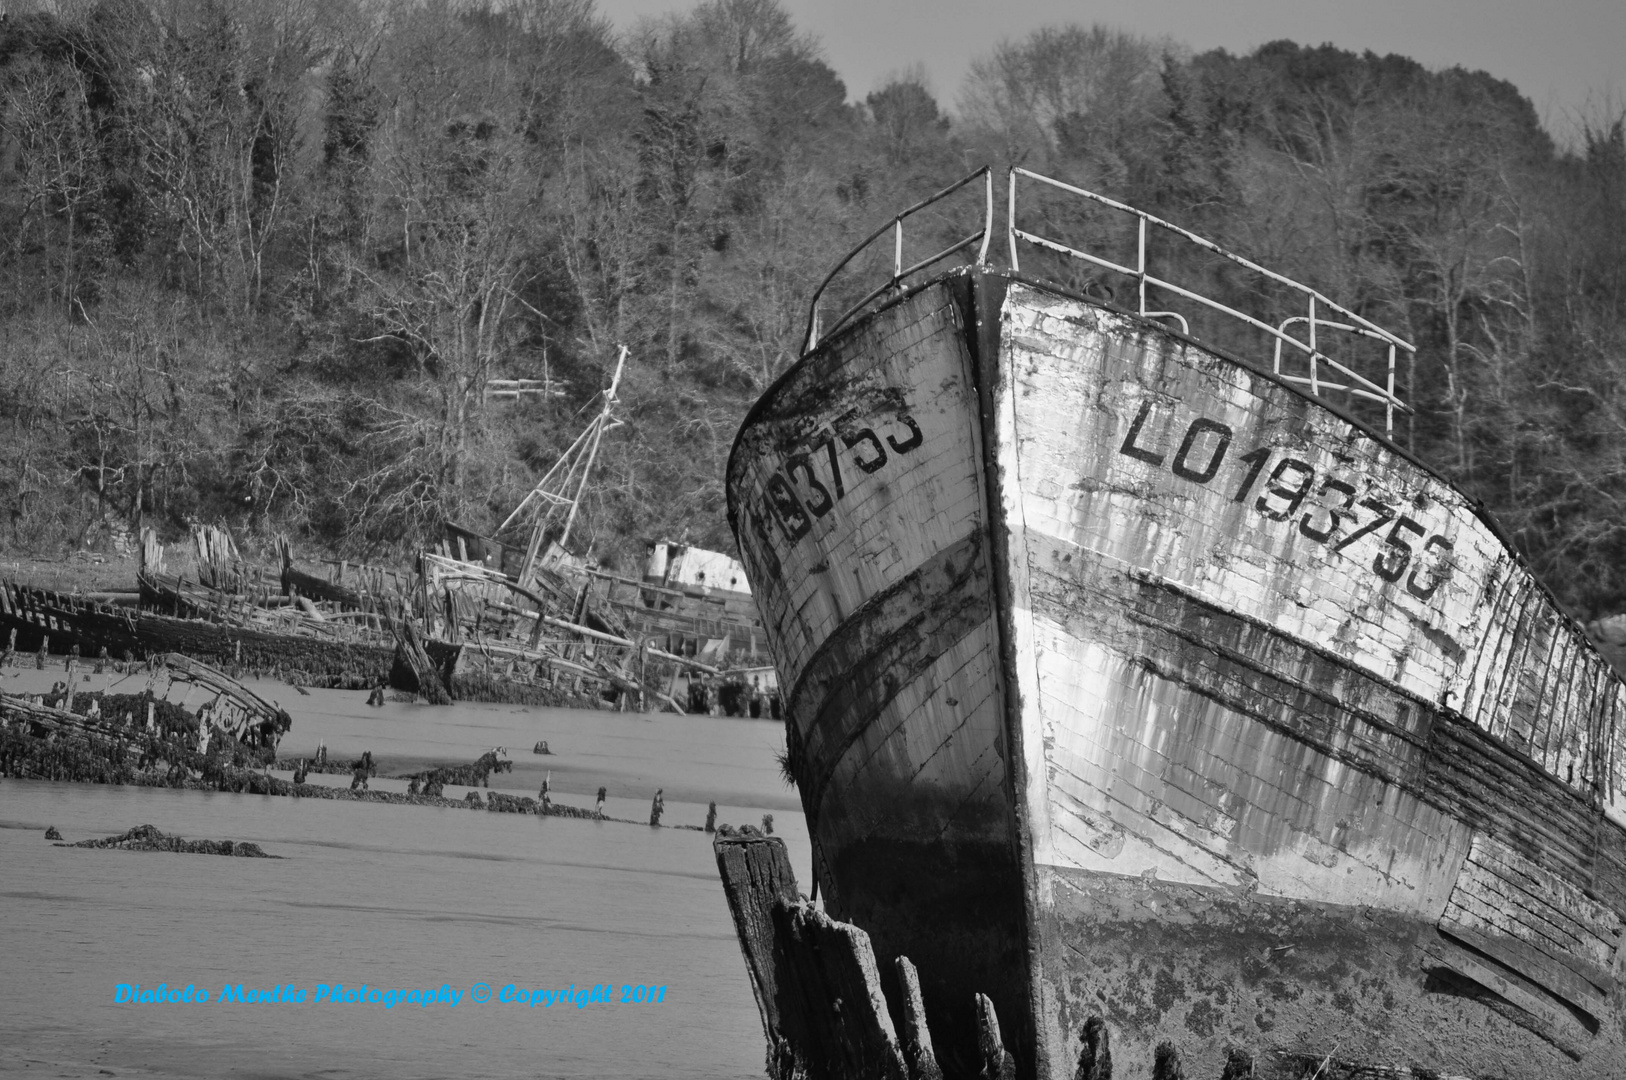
point(882, 648)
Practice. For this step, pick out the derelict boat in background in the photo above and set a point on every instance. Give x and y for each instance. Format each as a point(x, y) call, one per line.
point(1133, 675)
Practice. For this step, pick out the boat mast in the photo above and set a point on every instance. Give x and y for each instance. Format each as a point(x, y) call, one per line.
point(555, 489)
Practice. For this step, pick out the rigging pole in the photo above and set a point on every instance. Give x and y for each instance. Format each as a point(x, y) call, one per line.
point(561, 490)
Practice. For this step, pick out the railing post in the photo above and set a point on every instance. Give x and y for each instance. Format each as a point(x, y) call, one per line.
point(987, 213)
point(1010, 218)
point(1140, 262)
point(1315, 386)
point(897, 248)
point(1389, 402)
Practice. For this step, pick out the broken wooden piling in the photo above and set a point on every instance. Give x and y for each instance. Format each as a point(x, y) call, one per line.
point(816, 981)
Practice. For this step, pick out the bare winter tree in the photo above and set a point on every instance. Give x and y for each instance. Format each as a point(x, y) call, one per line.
point(459, 175)
point(60, 178)
point(1067, 92)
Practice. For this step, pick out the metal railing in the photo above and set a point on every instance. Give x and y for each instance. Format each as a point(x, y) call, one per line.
point(815, 333)
point(1346, 321)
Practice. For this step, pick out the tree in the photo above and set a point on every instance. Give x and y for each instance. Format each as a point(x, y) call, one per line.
point(61, 180)
point(1090, 96)
point(906, 118)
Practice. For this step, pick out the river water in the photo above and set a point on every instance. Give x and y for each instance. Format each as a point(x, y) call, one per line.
point(396, 897)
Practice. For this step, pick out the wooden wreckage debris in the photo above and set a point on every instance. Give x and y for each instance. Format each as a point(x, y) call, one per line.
point(150, 838)
point(269, 621)
point(476, 774)
point(494, 629)
point(473, 621)
point(236, 708)
point(426, 676)
point(453, 632)
point(143, 738)
point(831, 1011)
point(41, 739)
point(38, 620)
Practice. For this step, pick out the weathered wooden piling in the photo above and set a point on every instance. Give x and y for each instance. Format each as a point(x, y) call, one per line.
point(410, 647)
point(817, 984)
point(1095, 1055)
point(918, 1051)
point(997, 1062)
point(755, 874)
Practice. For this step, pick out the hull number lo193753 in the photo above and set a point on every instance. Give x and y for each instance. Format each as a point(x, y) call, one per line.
point(1346, 509)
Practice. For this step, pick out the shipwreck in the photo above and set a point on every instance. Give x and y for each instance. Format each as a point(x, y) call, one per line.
point(473, 620)
point(1140, 682)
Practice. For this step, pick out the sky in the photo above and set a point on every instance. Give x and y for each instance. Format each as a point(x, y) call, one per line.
point(1566, 56)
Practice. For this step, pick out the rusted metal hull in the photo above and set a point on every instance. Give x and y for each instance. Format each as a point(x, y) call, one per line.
point(1128, 681)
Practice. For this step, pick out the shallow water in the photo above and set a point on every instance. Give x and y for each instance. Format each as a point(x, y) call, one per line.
point(396, 897)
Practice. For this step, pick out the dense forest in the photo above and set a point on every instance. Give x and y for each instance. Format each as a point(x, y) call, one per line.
point(263, 259)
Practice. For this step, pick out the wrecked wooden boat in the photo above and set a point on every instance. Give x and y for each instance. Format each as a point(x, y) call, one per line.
point(699, 600)
point(227, 588)
point(357, 631)
point(1136, 675)
point(540, 616)
point(147, 731)
point(41, 620)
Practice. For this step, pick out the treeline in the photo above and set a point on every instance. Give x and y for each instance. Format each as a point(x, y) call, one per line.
point(263, 258)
